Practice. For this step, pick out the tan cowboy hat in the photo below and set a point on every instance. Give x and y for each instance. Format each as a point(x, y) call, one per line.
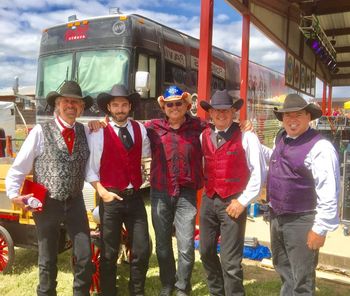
point(221, 99)
point(117, 90)
point(294, 103)
point(69, 89)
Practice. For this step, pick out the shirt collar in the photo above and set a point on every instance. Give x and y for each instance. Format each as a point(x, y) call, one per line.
point(225, 130)
point(296, 136)
point(114, 124)
point(64, 123)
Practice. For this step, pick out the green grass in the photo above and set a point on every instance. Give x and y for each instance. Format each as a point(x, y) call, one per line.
point(22, 281)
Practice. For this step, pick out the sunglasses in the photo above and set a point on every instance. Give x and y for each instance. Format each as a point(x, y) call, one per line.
point(171, 104)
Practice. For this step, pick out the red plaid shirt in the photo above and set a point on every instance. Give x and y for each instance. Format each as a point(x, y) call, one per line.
point(176, 155)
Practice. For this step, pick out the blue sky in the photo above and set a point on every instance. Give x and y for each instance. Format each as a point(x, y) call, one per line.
point(22, 21)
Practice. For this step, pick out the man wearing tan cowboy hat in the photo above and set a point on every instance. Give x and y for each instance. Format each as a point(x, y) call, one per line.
point(176, 175)
point(302, 190)
point(114, 170)
point(234, 170)
point(57, 152)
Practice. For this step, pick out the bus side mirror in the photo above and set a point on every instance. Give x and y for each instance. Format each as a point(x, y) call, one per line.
point(142, 81)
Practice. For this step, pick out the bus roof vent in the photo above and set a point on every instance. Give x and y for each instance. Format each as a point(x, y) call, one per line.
point(72, 18)
point(114, 10)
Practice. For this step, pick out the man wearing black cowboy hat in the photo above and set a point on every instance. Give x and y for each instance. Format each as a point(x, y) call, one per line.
point(57, 152)
point(234, 170)
point(302, 190)
point(114, 170)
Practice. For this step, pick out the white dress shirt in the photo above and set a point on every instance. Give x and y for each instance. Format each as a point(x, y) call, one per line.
point(96, 141)
point(32, 147)
point(256, 164)
point(323, 162)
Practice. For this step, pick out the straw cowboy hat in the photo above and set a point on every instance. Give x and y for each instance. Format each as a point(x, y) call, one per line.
point(69, 89)
point(117, 90)
point(293, 103)
point(221, 99)
point(174, 93)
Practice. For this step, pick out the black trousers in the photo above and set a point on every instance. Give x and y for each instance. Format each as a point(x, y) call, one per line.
point(130, 211)
point(293, 260)
point(224, 274)
point(73, 214)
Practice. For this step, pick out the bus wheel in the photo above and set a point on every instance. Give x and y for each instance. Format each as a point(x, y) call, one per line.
point(7, 250)
point(95, 260)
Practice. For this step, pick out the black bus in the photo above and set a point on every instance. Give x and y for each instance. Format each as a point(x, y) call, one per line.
point(102, 51)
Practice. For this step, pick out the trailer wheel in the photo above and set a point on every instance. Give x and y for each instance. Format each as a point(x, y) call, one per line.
point(95, 260)
point(7, 250)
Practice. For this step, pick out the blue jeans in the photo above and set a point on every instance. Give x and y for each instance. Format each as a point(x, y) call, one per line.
point(181, 212)
point(293, 260)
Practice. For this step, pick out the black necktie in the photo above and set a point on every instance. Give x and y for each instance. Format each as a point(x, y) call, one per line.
point(288, 140)
point(125, 137)
point(219, 138)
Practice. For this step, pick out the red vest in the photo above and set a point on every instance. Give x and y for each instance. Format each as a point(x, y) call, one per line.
point(119, 166)
point(225, 169)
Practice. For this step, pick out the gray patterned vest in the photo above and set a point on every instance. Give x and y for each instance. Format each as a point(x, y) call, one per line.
point(61, 173)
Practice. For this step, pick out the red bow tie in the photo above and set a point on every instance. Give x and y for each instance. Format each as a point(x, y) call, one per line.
point(68, 135)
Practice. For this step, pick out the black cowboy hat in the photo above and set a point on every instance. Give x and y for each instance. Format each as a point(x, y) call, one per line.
point(294, 103)
point(221, 99)
point(117, 90)
point(69, 89)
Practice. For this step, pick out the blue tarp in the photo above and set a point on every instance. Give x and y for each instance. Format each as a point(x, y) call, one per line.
point(255, 253)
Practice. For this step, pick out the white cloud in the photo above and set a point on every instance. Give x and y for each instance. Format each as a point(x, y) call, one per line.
point(221, 18)
point(26, 73)
point(22, 21)
point(22, 4)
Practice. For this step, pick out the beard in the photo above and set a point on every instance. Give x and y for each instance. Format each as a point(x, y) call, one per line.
point(120, 117)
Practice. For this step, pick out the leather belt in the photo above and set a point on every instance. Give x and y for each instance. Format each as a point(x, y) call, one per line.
point(127, 192)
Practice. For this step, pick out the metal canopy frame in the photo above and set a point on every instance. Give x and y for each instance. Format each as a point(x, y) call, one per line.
point(334, 20)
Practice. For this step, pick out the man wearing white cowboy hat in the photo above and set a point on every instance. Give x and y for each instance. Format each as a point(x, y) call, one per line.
point(234, 170)
point(302, 190)
point(176, 175)
point(114, 170)
point(57, 152)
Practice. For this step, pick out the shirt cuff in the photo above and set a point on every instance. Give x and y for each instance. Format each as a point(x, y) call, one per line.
point(12, 195)
point(92, 178)
point(243, 200)
point(318, 229)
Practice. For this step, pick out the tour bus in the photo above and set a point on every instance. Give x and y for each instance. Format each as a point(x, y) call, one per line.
point(147, 57)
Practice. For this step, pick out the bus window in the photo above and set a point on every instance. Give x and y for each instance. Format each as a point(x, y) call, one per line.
point(174, 74)
point(153, 74)
point(149, 64)
point(98, 71)
point(143, 62)
point(193, 78)
point(52, 71)
point(217, 83)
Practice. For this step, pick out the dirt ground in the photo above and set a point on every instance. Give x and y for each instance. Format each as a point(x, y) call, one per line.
point(254, 271)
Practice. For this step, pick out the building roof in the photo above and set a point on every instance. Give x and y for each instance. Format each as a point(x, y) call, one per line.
point(281, 21)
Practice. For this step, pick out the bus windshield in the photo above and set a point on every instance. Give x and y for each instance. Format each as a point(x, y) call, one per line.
point(96, 71)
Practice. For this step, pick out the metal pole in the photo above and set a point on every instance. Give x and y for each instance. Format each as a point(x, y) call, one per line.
point(244, 64)
point(324, 98)
point(329, 100)
point(205, 45)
